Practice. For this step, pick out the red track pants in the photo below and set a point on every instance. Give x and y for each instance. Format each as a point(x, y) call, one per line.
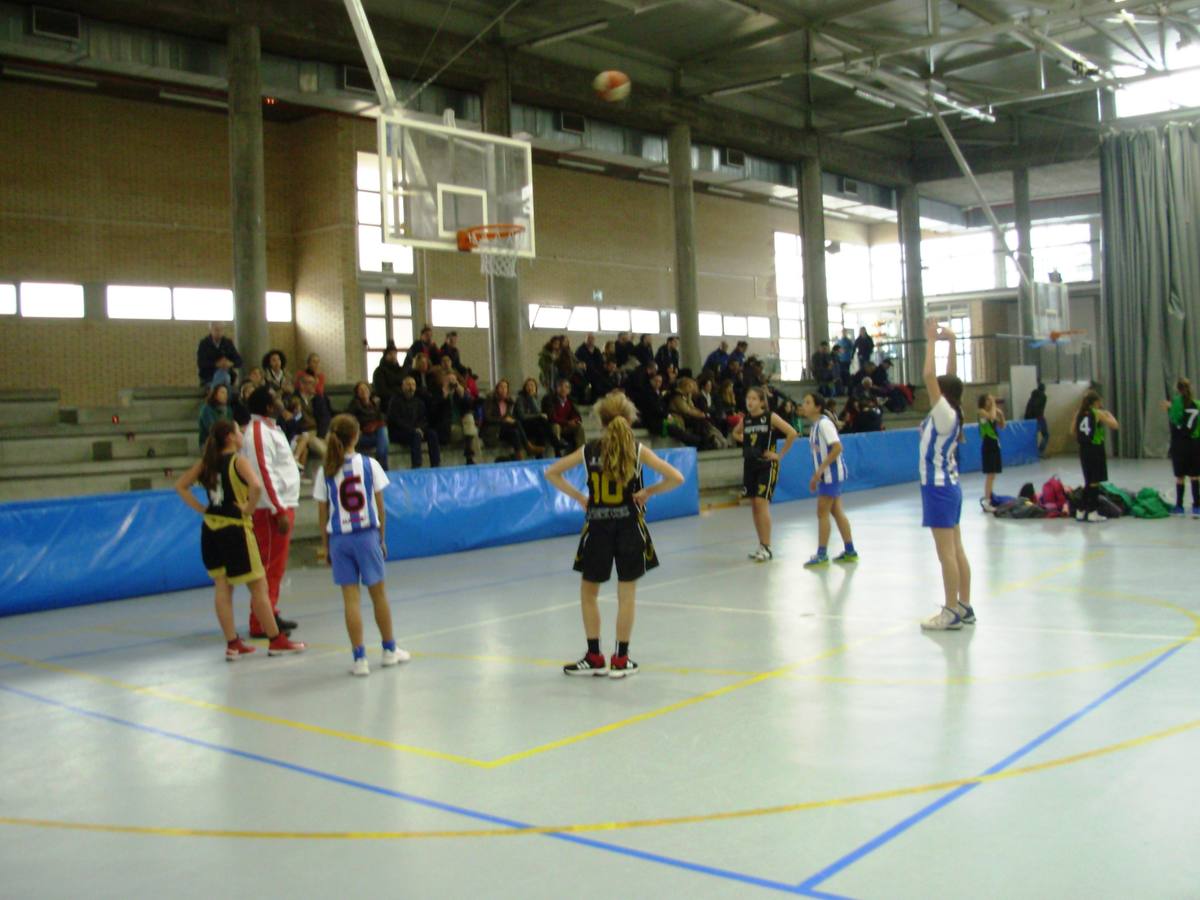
point(273, 547)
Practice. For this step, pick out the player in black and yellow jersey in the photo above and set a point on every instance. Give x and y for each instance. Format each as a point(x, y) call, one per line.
point(227, 543)
point(1092, 422)
point(1184, 413)
point(757, 433)
point(615, 528)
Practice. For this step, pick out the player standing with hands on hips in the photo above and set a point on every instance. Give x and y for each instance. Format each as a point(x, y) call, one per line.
point(760, 462)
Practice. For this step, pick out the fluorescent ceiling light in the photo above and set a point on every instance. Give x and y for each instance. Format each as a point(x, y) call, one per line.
point(741, 88)
point(193, 98)
point(567, 34)
point(877, 99)
point(726, 193)
point(35, 75)
point(574, 164)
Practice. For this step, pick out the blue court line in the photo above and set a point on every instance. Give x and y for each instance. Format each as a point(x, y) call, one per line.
point(898, 829)
point(645, 856)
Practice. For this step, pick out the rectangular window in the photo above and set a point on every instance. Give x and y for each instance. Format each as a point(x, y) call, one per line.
point(674, 323)
point(760, 326)
point(366, 176)
point(584, 318)
point(375, 256)
point(402, 332)
point(788, 309)
point(614, 320)
point(452, 313)
point(279, 306)
point(377, 306)
point(125, 301)
point(735, 326)
point(376, 331)
point(644, 321)
point(42, 300)
point(8, 299)
point(369, 211)
point(483, 315)
point(789, 265)
point(203, 304)
point(711, 325)
point(789, 328)
point(555, 317)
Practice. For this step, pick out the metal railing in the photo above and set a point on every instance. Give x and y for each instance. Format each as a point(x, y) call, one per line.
point(989, 358)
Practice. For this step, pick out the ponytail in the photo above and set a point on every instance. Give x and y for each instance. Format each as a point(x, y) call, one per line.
point(342, 436)
point(951, 387)
point(618, 449)
point(214, 449)
point(1185, 390)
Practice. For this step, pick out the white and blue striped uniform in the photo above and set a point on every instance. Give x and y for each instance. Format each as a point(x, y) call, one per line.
point(939, 445)
point(821, 438)
point(351, 494)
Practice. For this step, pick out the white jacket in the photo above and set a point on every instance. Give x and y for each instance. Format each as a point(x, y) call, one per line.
point(269, 454)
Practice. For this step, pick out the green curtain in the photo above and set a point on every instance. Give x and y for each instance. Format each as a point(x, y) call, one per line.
point(1150, 186)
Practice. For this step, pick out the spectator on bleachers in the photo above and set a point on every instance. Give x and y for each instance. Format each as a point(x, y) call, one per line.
point(216, 357)
point(864, 346)
point(312, 366)
point(276, 375)
point(668, 354)
point(753, 375)
point(571, 368)
point(624, 351)
point(739, 353)
point(1035, 408)
point(565, 421)
point(308, 422)
point(694, 420)
point(450, 351)
point(548, 361)
point(655, 414)
point(869, 416)
point(610, 350)
point(388, 377)
point(843, 355)
point(896, 397)
point(534, 418)
point(408, 423)
point(725, 406)
point(823, 371)
point(592, 359)
point(470, 383)
point(500, 424)
point(609, 380)
point(718, 360)
point(240, 407)
point(705, 385)
point(422, 346)
point(314, 405)
point(736, 377)
point(790, 414)
point(372, 423)
point(255, 377)
point(670, 377)
point(419, 373)
point(644, 351)
point(452, 405)
point(215, 408)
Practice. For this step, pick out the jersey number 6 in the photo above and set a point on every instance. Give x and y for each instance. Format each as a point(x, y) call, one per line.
point(352, 499)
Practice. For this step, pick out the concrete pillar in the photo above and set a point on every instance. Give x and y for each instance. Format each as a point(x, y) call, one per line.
point(812, 251)
point(687, 303)
point(914, 291)
point(506, 337)
point(1024, 222)
point(247, 194)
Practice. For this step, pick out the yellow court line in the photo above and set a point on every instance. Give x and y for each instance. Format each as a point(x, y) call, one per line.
point(1011, 586)
point(558, 663)
point(630, 824)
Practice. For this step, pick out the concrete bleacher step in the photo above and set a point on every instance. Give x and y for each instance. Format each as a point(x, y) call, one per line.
point(100, 429)
point(33, 407)
point(72, 470)
point(76, 448)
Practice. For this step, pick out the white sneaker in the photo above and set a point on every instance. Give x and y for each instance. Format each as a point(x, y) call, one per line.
point(987, 505)
point(360, 667)
point(945, 620)
point(762, 554)
point(1094, 516)
point(395, 657)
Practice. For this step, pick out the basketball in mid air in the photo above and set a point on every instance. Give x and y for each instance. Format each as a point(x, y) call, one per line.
point(612, 86)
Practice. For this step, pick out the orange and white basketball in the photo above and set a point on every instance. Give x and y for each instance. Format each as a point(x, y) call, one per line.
point(612, 85)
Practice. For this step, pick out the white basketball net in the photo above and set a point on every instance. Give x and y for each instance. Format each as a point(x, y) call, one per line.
point(498, 256)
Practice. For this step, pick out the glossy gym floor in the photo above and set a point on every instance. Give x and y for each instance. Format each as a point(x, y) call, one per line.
point(791, 731)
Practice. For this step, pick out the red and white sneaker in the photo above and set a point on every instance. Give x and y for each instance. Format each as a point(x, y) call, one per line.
point(621, 667)
point(282, 644)
point(592, 664)
point(236, 649)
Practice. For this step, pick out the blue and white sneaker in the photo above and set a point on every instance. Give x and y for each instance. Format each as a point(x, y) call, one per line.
point(945, 620)
point(817, 562)
point(1195, 511)
point(966, 613)
point(1177, 510)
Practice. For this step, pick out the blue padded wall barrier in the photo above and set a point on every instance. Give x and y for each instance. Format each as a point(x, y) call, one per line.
point(77, 550)
point(890, 457)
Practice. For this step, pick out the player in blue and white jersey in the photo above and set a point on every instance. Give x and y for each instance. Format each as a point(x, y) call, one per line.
point(829, 476)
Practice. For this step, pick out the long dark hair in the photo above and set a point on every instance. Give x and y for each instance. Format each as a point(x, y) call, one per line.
point(1185, 390)
point(339, 442)
point(214, 451)
point(951, 387)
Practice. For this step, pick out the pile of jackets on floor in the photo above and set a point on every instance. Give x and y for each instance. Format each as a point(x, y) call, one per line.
point(1057, 501)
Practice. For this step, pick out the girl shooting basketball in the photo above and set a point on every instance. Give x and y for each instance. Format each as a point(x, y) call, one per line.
point(1092, 422)
point(991, 420)
point(227, 543)
point(615, 528)
point(829, 475)
point(757, 433)
point(941, 495)
point(353, 536)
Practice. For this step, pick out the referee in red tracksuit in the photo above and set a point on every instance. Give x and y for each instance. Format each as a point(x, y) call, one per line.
point(270, 455)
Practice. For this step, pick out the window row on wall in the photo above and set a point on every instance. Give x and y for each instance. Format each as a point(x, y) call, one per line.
point(52, 300)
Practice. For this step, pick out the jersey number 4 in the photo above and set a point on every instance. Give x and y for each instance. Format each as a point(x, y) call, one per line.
point(350, 495)
point(608, 490)
point(1085, 426)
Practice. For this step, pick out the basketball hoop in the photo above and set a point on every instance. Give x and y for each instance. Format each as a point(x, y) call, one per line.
point(496, 245)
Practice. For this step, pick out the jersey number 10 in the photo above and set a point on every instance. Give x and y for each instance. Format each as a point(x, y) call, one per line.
point(608, 490)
